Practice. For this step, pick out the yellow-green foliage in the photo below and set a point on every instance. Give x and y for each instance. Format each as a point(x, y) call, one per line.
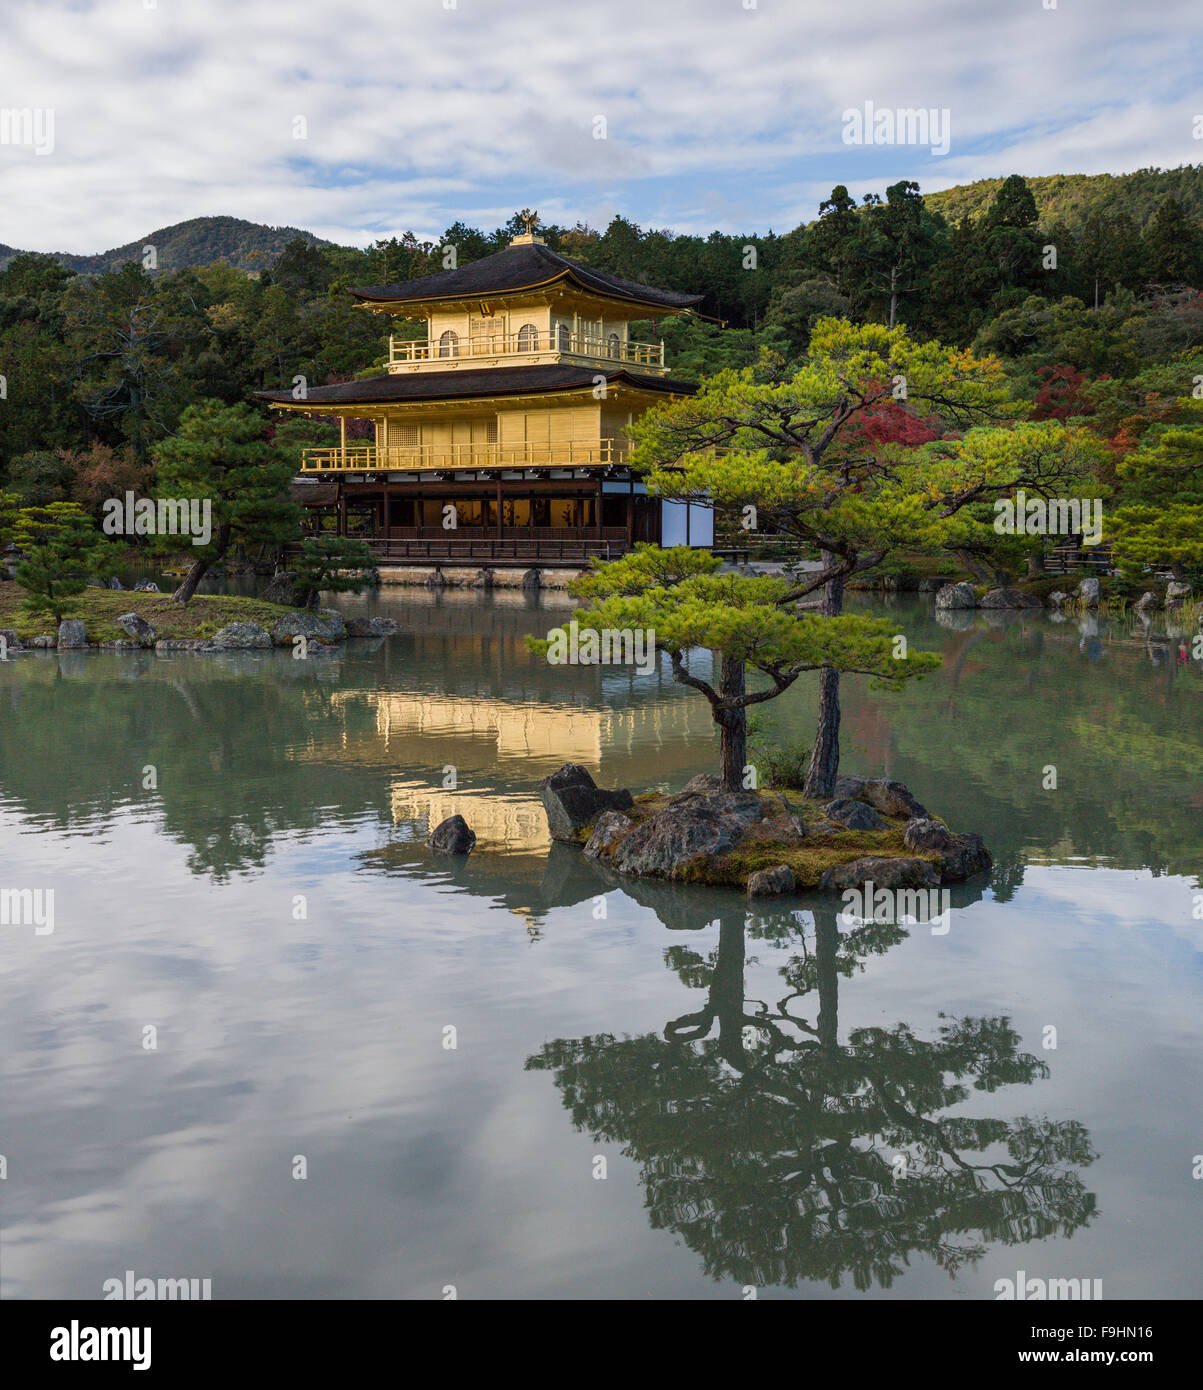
point(675, 595)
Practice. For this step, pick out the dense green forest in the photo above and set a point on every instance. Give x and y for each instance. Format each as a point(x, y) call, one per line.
point(1072, 198)
point(1095, 311)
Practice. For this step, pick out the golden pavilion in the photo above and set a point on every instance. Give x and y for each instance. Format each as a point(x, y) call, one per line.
point(501, 435)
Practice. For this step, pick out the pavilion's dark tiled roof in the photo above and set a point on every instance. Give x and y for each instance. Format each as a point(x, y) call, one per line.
point(522, 267)
point(488, 381)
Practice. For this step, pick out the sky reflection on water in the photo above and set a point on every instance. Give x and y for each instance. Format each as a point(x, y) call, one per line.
point(324, 1036)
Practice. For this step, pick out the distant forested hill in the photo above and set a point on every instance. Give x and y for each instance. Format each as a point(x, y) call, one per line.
point(1071, 198)
point(248, 246)
point(1064, 198)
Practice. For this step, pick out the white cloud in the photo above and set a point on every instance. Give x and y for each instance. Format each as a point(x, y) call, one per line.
point(418, 115)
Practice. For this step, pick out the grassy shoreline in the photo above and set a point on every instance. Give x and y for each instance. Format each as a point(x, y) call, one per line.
point(100, 608)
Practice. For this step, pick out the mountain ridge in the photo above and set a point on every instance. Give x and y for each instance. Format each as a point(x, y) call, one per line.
point(248, 246)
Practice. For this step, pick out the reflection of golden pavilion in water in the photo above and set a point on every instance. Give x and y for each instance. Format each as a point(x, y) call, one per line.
point(517, 745)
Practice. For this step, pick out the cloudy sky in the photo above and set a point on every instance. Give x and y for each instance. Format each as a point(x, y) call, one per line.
point(363, 118)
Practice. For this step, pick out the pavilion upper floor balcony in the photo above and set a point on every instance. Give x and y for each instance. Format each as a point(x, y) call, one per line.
point(365, 458)
point(528, 345)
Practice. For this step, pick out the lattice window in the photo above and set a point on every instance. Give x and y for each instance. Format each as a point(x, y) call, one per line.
point(486, 333)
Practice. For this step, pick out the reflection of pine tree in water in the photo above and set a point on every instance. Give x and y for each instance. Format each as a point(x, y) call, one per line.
point(772, 1148)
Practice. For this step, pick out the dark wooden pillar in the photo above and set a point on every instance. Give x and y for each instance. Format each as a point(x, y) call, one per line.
point(342, 508)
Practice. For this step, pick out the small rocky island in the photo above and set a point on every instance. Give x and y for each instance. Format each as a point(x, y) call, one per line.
point(769, 842)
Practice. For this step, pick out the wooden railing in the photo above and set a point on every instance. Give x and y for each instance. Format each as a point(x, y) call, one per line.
point(520, 344)
point(578, 550)
point(523, 534)
point(409, 458)
point(1063, 559)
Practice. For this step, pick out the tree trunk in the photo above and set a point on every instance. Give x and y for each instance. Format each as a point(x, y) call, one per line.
point(201, 567)
point(732, 720)
point(984, 570)
point(825, 752)
point(196, 573)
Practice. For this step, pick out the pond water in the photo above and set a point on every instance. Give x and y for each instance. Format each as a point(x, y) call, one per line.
point(271, 1042)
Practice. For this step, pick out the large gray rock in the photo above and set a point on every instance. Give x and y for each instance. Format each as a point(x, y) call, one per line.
point(956, 596)
point(1057, 598)
point(452, 836)
point(146, 586)
point(890, 798)
point(363, 627)
point(136, 626)
point(1177, 592)
point(704, 784)
point(1008, 598)
point(333, 616)
point(960, 855)
point(1088, 592)
point(684, 834)
point(767, 883)
point(11, 641)
point(72, 633)
point(318, 626)
point(43, 641)
point(115, 583)
point(240, 636)
point(610, 828)
point(387, 625)
point(1146, 603)
point(573, 800)
point(855, 815)
point(882, 873)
